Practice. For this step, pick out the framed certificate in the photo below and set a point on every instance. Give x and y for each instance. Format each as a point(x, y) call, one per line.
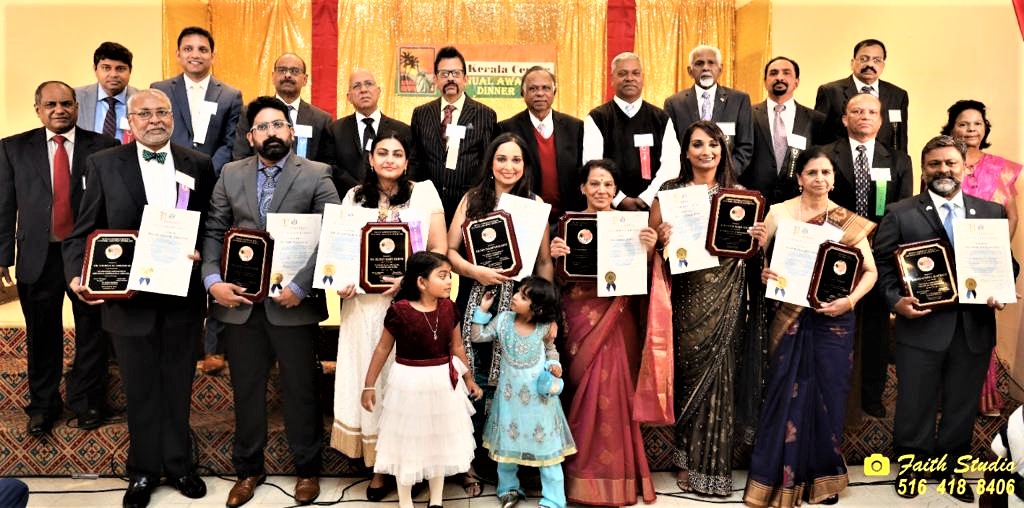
point(579, 230)
point(108, 264)
point(733, 212)
point(927, 272)
point(491, 241)
point(383, 251)
point(246, 259)
point(835, 273)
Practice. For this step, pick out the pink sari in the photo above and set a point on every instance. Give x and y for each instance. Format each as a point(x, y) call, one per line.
point(604, 344)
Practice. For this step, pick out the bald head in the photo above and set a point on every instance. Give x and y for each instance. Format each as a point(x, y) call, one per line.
point(363, 91)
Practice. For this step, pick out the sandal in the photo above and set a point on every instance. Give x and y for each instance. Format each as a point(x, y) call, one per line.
point(471, 484)
point(684, 483)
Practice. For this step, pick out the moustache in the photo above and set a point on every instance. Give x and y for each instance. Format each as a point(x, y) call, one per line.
point(868, 68)
point(272, 140)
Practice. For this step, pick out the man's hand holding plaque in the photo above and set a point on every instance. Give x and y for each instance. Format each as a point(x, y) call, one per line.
point(246, 261)
point(107, 266)
point(926, 269)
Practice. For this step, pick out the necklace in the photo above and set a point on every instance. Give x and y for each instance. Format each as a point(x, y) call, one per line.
point(437, 316)
point(801, 210)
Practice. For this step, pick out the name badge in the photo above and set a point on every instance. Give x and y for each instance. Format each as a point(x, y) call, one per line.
point(123, 124)
point(728, 128)
point(208, 108)
point(797, 141)
point(185, 180)
point(895, 115)
point(881, 175)
point(455, 131)
point(303, 131)
point(643, 139)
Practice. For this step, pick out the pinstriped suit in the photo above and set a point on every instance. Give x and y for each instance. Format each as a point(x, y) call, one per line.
point(480, 122)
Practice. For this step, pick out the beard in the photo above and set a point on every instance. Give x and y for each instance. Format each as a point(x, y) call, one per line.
point(944, 186)
point(706, 82)
point(273, 148)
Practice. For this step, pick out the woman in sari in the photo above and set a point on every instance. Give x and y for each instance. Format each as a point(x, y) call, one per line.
point(991, 178)
point(797, 455)
point(386, 188)
point(603, 344)
point(708, 322)
point(506, 169)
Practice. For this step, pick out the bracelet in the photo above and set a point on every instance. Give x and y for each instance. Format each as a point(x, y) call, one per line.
point(480, 317)
point(368, 389)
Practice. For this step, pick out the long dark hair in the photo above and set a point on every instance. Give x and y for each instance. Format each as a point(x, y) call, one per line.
point(543, 297)
point(961, 106)
point(482, 198)
point(723, 174)
point(369, 192)
point(420, 264)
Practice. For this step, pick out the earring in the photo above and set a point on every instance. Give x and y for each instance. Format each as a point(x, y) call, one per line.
point(800, 187)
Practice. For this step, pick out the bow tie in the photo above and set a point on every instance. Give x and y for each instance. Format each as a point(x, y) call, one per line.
point(159, 156)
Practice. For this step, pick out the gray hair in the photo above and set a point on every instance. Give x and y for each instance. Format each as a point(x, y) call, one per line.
point(626, 55)
point(148, 92)
point(944, 142)
point(705, 47)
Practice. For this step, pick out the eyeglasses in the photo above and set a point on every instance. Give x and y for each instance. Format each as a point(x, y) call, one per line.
point(541, 88)
point(453, 74)
point(277, 125)
point(146, 114)
point(873, 59)
point(359, 85)
point(294, 71)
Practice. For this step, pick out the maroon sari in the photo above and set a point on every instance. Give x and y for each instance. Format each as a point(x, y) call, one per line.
point(603, 341)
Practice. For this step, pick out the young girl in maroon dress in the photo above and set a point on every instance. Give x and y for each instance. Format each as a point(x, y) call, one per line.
point(425, 428)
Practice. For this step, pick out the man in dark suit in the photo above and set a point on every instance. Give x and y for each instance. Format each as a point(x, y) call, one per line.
point(454, 123)
point(284, 327)
point(555, 141)
point(42, 176)
point(205, 109)
point(312, 140)
point(867, 64)
point(631, 132)
point(708, 100)
point(112, 64)
point(782, 129)
point(154, 335)
point(352, 135)
point(942, 354)
point(865, 171)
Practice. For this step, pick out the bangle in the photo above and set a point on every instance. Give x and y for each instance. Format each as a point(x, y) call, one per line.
point(368, 388)
point(480, 317)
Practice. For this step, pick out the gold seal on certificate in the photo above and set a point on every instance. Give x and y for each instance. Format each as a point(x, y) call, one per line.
point(579, 230)
point(491, 241)
point(246, 259)
point(835, 273)
point(733, 212)
point(383, 251)
point(108, 264)
point(926, 269)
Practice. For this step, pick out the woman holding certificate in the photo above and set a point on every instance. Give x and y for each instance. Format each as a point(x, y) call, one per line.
point(991, 178)
point(386, 188)
point(603, 342)
point(708, 312)
point(797, 454)
point(505, 170)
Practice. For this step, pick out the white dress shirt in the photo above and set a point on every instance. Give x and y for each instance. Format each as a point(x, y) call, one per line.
point(158, 179)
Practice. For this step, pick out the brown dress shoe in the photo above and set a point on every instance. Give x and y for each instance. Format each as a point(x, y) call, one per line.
point(307, 490)
point(241, 493)
point(213, 364)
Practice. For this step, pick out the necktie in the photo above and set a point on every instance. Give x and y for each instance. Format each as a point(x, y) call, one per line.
point(541, 128)
point(447, 121)
point(947, 223)
point(369, 134)
point(293, 114)
point(267, 191)
point(63, 221)
point(705, 106)
point(862, 180)
point(867, 89)
point(159, 156)
point(779, 142)
point(628, 110)
point(110, 121)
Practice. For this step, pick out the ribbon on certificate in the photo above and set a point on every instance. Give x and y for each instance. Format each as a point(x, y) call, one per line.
point(652, 400)
point(416, 236)
point(301, 145)
point(645, 162)
point(880, 187)
point(183, 193)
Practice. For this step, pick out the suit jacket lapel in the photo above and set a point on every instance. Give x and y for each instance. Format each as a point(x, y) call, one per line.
point(87, 106)
point(352, 125)
point(468, 115)
point(721, 100)
point(131, 174)
point(179, 101)
point(762, 119)
point(850, 89)
point(801, 122)
point(40, 156)
point(288, 174)
point(303, 115)
point(249, 180)
point(881, 158)
point(213, 90)
point(931, 215)
point(690, 100)
point(841, 152)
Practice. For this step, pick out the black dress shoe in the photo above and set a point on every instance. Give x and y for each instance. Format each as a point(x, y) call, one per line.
point(90, 419)
point(39, 425)
point(139, 490)
point(875, 409)
point(377, 494)
point(906, 484)
point(966, 496)
point(190, 485)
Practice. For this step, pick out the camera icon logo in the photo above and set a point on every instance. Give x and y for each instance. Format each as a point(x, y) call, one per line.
point(876, 464)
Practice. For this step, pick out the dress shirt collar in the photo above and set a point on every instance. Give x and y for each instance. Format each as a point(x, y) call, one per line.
point(860, 85)
point(69, 135)
point(621, 103)
point(375, 116)
point(280, 164)
point(102, 94)
point(700, 93)
point(938, 201)
point(295, 104)
point(459, 103)
point(547, 122)
point(869, 144)
point(790, 106)
point(163, 149)
point(203, 84)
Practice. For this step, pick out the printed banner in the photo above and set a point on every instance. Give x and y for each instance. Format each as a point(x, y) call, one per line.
point(494, 70)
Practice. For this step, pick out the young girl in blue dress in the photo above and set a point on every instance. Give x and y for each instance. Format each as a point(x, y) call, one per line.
point(425, 428)
point(526, 425)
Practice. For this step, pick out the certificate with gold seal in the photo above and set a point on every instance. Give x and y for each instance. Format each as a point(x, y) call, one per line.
point(107, 265)
point(167, 240)
point(621, 258)
point(927, 271)
point(793, 259)
point(687, 209)
point(984, 266)
point(579, 230)
point(491, 242)
point(733, 212)
point(383, 251)
point(835, 273)
point(337, 257)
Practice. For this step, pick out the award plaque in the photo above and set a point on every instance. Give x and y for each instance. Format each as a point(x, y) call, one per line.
point(108, 263)
point(491, 242)
point(835, 273)
point(733, 212)
point(579, 230)
point(926, 269)
point(383, 251)
point(245, 261)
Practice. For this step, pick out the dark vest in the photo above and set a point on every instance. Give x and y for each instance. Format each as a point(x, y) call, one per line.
point(618, 131)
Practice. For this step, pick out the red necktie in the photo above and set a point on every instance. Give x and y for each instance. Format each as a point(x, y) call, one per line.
point(447, 121)
point(63, 221)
